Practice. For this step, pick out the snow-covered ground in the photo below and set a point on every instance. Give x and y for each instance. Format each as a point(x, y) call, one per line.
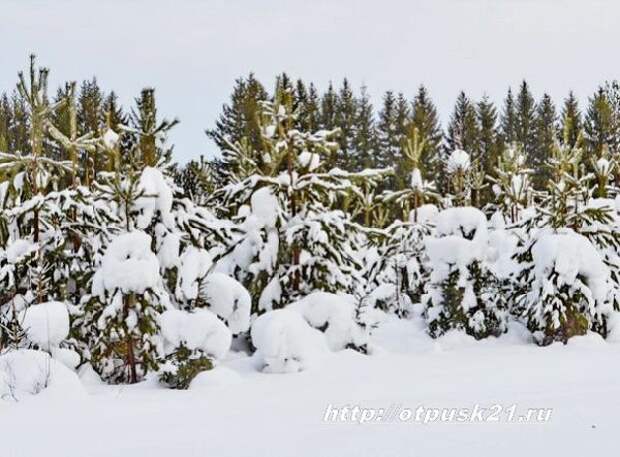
point(238, 411)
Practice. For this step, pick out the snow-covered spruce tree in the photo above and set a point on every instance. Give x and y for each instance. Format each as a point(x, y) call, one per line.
point(569, 287)
point(192, 342)
point(395, 271)
point(293, 242)
point(127, 300)
point(458, 168)
point(603, 169)
point(163, 234)
point(419, 191)
point(49, 222)
point(463, 293)
point(119, 319)
point(564, 286)
point(511, 182)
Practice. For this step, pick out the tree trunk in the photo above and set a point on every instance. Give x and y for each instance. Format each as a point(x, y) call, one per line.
point(131, 357)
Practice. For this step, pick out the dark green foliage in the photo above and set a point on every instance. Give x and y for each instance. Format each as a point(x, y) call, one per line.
point(181, 367)
point(426, 120)
point(463, 129)
point(570, 120)
point(600, 128)
point(546, 133)
point(525, 127)
point(450, 304)
point(451, 315)
point(346, 108)
point(570, 305)
point(387, 133)
point(365, 137)
point(509, 119)
point(122, 353)
point(329, 108)
point(196, 179)
point(239, 116)
point(491, 144)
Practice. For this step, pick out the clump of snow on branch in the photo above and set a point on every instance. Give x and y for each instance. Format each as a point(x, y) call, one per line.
point(128, 265)
point(227, 298)
point(200, 329)
point(156, 198)
point(465, 222)
point(337, 315)
point(194, 266)
point(574, 259)
point(458, 161)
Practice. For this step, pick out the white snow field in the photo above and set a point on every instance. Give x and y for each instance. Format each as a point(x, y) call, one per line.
point(236, 410)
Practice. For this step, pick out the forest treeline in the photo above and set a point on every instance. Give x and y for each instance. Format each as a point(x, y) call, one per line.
point(374, 137)
point(368, 136)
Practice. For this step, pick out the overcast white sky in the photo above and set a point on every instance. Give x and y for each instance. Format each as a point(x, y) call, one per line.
point(192, 50)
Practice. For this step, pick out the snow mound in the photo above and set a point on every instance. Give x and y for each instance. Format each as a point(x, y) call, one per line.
point(217, 377)
point(285, 343)
point(46, 324)
point(195, 264)
point(451, 250)
point(570, 255)
point(198, 330)
point(229, 300)
point(467, 222)
point(26, 372)
point(157, 197)
point(128, 265)
point(336, 314)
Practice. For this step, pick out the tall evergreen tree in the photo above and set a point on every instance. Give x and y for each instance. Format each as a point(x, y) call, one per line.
point(463, 129)
point(387, 135)
point(490, 141)
point(5, 123)
point(570, 121)
point(612, 92)
point(90, 107)
point(20, 125)
point(525, 110)
point(426, 120)
point(365, 137)
point(150, 133)
point(308, 106)
point(546, 133)
point(345, 120)
point(329, 106)
point(403, 123)
point(239, 117)
point(599, 127)
point(508, 119)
